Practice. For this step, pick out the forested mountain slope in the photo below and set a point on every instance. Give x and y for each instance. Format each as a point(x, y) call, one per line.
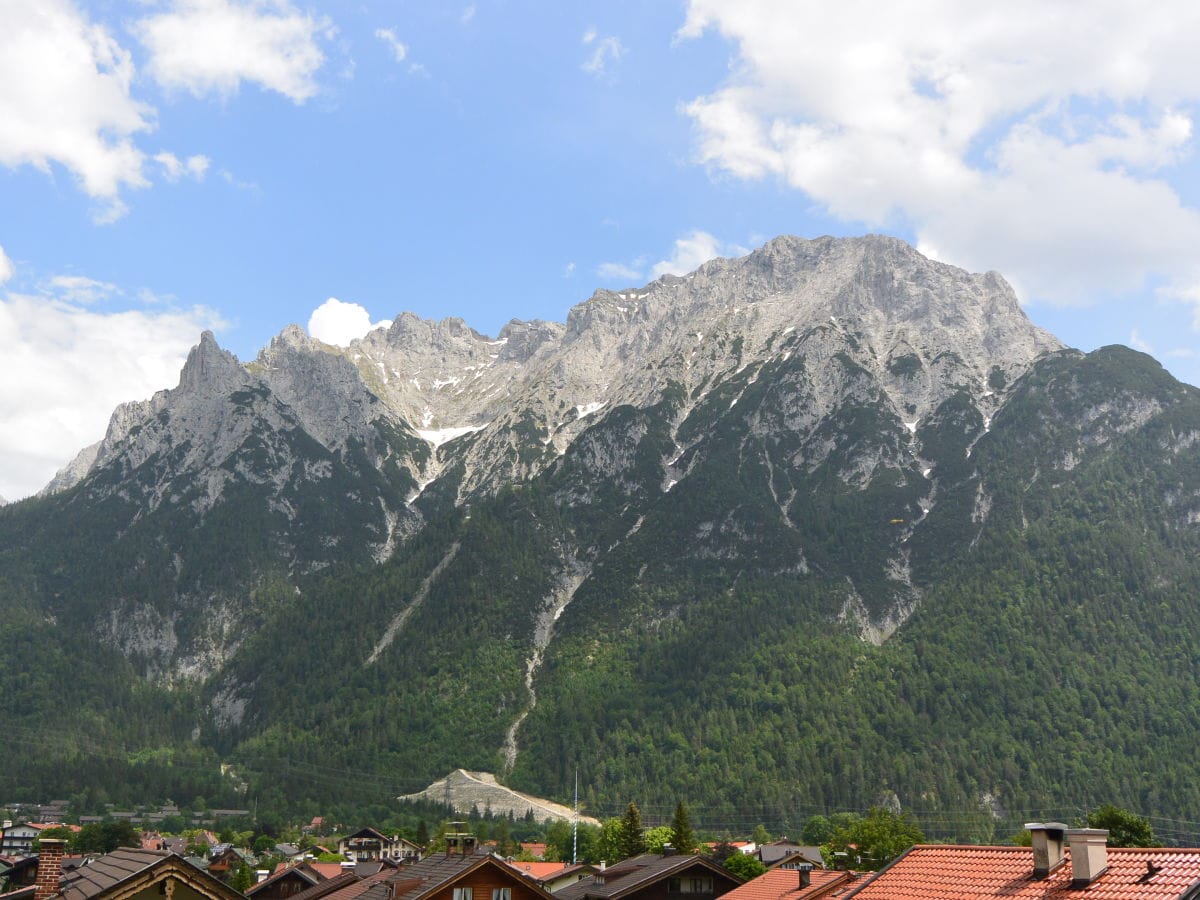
point(817, 526)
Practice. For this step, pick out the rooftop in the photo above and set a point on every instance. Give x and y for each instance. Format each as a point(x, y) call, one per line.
point(930, 872)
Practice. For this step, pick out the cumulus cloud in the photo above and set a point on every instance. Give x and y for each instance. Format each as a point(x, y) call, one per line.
point(174, 168)
point(212, 46)
point(338, 323)
point(606, 53)
point(6, 267)
point(615, 271)
point(687, 254)
point(80, 289)
point(691, 251)
point(65, 367)
point(398, 49)
point(1037, 139)
point(65, 98)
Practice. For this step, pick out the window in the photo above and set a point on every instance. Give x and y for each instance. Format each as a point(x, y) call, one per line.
point(501, 893)
point(463, 894)
point(690, 885)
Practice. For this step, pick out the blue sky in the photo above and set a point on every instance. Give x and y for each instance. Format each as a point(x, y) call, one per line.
point(174, 165)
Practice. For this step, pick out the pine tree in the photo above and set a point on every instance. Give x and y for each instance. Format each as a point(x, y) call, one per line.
point(632, 835)
point(683, 839)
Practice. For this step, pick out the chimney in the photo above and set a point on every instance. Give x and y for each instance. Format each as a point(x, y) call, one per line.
point(1089, 854)
point(668, 850)
point(805, 870)
point(49, 867)
point(1047, 846)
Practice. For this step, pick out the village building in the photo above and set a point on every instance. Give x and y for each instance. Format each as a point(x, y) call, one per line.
point(369, 844)
point(129, 873)
point(554, 876)
point(654, 876)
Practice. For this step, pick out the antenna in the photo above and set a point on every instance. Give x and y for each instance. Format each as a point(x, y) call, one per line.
point(575, 824)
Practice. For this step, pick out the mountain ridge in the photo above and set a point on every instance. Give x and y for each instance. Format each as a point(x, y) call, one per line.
point(745, 527)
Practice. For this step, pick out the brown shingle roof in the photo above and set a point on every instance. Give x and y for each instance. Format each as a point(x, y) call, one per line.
point(105, 871)
point(327, 887)
point(631, 874)
point(302, 871)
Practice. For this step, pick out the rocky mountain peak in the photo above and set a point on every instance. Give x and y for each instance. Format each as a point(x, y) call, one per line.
point(210, 369)
point(293, 336)
point(523, 339)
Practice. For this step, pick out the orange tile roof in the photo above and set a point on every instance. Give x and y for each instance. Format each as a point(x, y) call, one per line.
point(928, 872)
point(327, 869)
point(538, 870)
point(784, 884)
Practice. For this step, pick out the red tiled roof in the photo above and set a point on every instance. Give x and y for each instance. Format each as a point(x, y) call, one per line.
point(327, 869)
point(784, 884)
point(539, 870)
point(928, 872)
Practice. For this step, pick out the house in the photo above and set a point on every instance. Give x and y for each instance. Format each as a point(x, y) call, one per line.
point(807, 883)
point(290, 852)
point(17, 840)
point(125, 874)
point(224, 858)
point(152, 840)
point(287, 881)
point(805, 856)
point(654, 876)
point(554, 876)
point(369, 844)
point(1085, 867)
point(535, 850)
point(459, 874)
point(788, 854)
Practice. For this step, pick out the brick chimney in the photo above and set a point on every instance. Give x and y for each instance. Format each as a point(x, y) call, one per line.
point(1047, 846)
point(49, 867)
point(1089, 854)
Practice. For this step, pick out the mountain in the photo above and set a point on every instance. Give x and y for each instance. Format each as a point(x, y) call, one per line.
point(822, 526)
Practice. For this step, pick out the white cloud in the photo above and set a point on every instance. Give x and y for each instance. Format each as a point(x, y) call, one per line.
point(614, 271)
point(65, 367)
point(606, 52)
point(687, 254)
point(468, 15)
point(691, 251)
point(65, 98)
point(1138, 343)
point(398, 48)
point(1033, 138)
point(80, 289)
point(338, 323)
point(174, 168)
point(568, 271)
point(212, 46)
point(6, 267)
